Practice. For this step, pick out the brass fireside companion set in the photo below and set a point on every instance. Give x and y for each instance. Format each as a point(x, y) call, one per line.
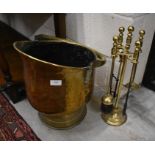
point(59, 78)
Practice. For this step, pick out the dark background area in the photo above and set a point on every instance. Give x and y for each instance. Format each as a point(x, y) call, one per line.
point(149, 75)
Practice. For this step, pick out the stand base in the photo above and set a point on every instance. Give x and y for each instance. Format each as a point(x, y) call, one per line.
point(115, 118)
point(64, 121)
point(134, 86)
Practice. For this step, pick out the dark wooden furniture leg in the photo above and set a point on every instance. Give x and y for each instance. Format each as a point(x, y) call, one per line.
point(15, 91)
point(5, 67)
point(60, 25)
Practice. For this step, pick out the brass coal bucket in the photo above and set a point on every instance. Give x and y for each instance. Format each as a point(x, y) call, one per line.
point(59, 78)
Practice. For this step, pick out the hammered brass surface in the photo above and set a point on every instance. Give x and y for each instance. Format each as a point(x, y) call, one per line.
point(68, 98)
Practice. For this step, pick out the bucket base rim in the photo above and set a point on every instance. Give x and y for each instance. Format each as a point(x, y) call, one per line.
point(65, 121)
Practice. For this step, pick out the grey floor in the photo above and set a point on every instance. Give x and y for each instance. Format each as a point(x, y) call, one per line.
point(140, 124)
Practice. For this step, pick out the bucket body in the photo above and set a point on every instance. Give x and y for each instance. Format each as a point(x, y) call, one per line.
point(59, 78)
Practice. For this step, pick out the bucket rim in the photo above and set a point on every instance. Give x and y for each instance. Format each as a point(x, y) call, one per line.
point(93, 51)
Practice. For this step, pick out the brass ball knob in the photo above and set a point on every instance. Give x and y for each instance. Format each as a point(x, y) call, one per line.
point(107, 99)
point(137, 49)
point(115, 38)
point(142, 32)
point(130, 29)
point(121, 29)
point(138, 43)
point(129, 35)
point(127, 47)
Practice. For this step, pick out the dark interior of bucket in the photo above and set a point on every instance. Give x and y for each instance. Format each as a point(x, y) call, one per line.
point(60, 53)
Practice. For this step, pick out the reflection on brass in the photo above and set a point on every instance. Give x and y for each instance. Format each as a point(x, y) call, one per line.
point(59, 77)
point(65, 121)
point(113, 112)
point(115, 117)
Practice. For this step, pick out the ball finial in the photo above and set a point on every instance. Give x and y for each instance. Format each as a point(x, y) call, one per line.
point(141, 32)
point(129, 35)
point(130, 29)
point(107, 100)
point(121, 29)
point(115, 39)
point(138, 43)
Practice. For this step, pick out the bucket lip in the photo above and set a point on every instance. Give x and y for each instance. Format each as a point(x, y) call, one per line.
point(59, 41)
